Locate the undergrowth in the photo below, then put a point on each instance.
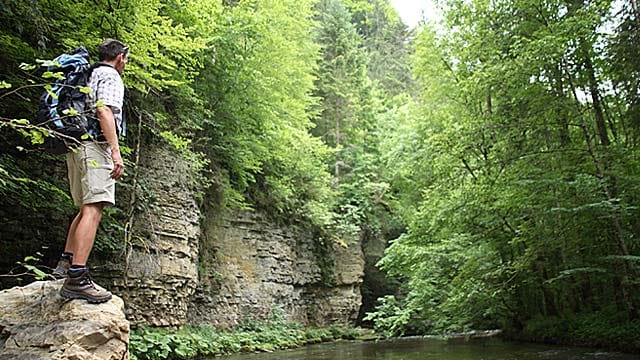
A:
(598, 329)
(191, 342)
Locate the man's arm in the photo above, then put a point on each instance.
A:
(108, 126)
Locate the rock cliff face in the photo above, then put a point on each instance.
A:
(177, 271)
(241, 267)
(159, 273)
(36, 323)
(258, 267)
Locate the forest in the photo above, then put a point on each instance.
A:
(496, 152)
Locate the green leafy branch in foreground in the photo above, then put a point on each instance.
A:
(187, 343)
(29, 267)
(37, 133)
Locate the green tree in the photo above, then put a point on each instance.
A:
(388, 44)
(341, 76)
(523, 187)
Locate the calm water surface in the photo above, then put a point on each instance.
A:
(427, 349)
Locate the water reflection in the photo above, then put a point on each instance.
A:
(427, 349)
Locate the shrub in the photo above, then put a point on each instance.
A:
(155, 344)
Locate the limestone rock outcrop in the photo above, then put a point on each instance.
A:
(36, 323)
(159, 272)
(259, 267)
(228, 268)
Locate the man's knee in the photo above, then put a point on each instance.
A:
(92, 210)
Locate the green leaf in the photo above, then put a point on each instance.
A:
(54, 75)
(85, 89)
(94, 163)
(70, 112)
(40, 275)
(37, 136)
(48, 63)
(27, 67)
(48, 89)
(21, 121)
(4, 85)
(176, 141)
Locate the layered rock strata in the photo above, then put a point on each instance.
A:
(239, 267)
(159, 273)
(259, 268)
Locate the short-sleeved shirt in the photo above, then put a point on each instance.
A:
(106, 86)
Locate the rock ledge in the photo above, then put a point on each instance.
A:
(36, 323)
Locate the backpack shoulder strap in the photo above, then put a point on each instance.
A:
(99, 64)
(95, 66)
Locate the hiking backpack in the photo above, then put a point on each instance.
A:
(62, 108)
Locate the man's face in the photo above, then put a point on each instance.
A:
(122, 61)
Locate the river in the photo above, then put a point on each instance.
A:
(429, 349)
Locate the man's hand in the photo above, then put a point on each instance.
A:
(118, 164)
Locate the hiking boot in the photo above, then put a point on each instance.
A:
(60, 272)
(79, 285)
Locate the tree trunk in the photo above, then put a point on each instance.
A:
(337, 164)
(595, 98)
(565, 138)
(626, 268)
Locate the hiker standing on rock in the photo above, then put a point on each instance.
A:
(93, 168)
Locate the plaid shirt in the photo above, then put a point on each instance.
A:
(106, 86)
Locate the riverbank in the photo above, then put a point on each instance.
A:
(192, 342)
(589, 330)
(593, 330)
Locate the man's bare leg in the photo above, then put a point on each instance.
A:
(69, 245)
(82, 235)
(62, 267)
(78, 284)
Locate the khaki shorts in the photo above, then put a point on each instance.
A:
(89, 168)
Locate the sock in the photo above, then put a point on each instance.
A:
(67, 255)
(77, 270)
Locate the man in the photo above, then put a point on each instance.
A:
(93, 170)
